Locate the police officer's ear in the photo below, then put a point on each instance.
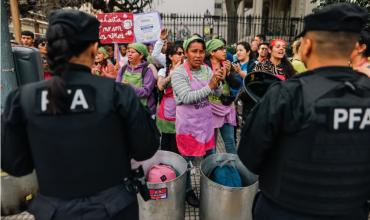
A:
(94, 50)
(305, 49)
(360, 48)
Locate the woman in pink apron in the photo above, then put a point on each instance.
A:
(223, 108)
(192, 83)
(166, 113)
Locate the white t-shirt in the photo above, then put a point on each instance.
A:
(162, 72)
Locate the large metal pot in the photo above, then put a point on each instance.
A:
(172, 204)
(16, 192)
(223, 202)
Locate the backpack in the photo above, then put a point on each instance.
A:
(161, 173)
(226, 174)
(155, 91)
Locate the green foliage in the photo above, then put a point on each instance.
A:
(361, 3)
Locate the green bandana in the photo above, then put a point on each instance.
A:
(104, 52)
(213, 45)
(188, 41)
(139, 47)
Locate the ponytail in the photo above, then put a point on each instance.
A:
(61, 47)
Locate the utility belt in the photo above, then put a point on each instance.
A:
(100, 206)
(136, 183)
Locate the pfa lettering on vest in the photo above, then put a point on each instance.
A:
(81, 99)
(350, 119)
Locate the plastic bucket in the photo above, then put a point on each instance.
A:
(169, 196)
(223, 202)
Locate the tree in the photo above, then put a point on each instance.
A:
(134, 6)
(231, 11)
(45, 6)
(361, 3)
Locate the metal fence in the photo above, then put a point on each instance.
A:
(233, 29)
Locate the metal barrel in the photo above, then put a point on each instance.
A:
(16, 192)
(223, 202)
(170, 204)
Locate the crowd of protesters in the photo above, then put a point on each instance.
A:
(191, 86)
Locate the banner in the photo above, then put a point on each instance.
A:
(147, 27)
(116, 28)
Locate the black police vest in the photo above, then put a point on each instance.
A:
(91, 136)
(324, 168)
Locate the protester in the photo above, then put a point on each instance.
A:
(277, 64)
(260, 38)
(78, 131)
(109, 48)
(167, 107)
(245, 64)
(360, 56)
(102, 65)
(254, 49)
(297, 64)
(223, 108)
(139, 76)
(192, 84)
(308, 137)
(41, 44)
(27, 38)
(122, 56)
(263, 53)
(159, 50)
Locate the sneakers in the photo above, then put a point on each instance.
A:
(192, 199)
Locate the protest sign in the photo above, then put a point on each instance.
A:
(116, 28)
(147, 27)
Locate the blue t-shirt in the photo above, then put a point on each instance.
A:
(243, 67)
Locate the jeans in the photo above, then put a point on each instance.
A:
(189, 159)
(228, 136)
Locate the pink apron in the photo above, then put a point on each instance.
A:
(194, 130)
(222, 114)
(167, 107)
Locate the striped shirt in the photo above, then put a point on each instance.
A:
(184, 94)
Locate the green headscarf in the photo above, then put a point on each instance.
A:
(104, 52)
(139, 47)
(187, 42)
(213, 44)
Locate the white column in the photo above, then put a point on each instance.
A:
(257, 7)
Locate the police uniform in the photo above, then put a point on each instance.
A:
(308, 140)
(82, 156)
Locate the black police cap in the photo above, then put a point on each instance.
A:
(340, 17)
(85, 25)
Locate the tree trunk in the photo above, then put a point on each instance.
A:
(232, 18)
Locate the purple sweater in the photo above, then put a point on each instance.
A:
(146, 90)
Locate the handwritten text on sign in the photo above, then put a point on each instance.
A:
(116, 28)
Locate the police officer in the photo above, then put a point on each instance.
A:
(308, 138)
(78, 131)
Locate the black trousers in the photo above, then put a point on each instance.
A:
(168, 142)
(265, 209)
(130, 212)
(115, 203)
